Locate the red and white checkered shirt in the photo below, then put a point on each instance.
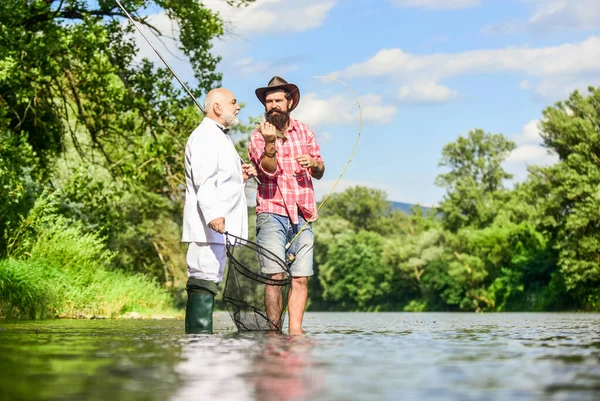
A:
(290, 187)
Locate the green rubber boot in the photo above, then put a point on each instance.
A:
(199, 313)
(200, 306)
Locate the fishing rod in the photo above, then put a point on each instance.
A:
(287, 246)
(183, 85)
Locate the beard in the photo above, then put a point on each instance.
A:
(231, 119)
(278, 118)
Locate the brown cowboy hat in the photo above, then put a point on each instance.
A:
(279, 83)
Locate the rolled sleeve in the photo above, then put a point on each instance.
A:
(313, 148)
(256, 151)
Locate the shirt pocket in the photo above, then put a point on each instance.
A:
(303, 179)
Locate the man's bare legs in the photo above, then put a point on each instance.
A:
(273, 303)
(297, 303)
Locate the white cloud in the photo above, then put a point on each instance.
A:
(374, 111)
(529, 151)
(568, 61)
(339, 109)
(552, 15)
(525, 84)
(545, 61)
(530, 134)
(436, 4)
(249, 66)
(528, 154)
(559, 86)
(265, 15)
(425, 92)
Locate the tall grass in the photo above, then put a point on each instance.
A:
(57, 271)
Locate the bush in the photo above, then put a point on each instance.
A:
(57, 271)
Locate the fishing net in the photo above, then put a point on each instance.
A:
(255, 301)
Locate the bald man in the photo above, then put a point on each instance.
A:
(214, 203)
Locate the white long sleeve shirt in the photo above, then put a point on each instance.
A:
(214, 186)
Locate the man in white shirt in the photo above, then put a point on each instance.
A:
(214, 203)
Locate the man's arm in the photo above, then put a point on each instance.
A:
(256, 151)
(269, 159)
(268, 162)
(312, 161)
(318, 170)
(314, 166)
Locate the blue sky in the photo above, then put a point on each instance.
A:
(425, 72)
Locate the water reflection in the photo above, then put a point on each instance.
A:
(247, 366)
(284, 370)
(214, 367)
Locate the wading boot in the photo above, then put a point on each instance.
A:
(200, 306)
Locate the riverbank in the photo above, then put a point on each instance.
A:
(39, 289)
(55, 270)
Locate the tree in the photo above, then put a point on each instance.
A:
(474, 183)
(354, 276)
(70, 86)
(569, 192)
(361, 206)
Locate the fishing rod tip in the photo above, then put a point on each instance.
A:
(329, 77)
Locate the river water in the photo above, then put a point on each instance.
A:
(343, 356)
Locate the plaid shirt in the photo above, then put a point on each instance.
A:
(290, 187)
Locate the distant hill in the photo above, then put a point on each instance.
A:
(405, 207)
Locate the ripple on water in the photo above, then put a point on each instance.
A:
(343, 356)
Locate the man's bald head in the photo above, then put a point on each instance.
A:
(221, 105)
(215, 96)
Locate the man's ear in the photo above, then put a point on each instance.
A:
(290, 103)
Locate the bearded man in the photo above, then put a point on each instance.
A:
(214, 203)
(287, 157)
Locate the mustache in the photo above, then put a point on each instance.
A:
(273, 111)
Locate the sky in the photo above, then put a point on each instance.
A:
(425, 72)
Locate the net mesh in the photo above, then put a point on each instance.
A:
(255, 301)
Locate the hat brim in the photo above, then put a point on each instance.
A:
(261, 93)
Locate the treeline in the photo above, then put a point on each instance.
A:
(535, 247)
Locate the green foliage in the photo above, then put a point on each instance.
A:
(354, 276)
(569, 192)
(106, 131)
(17, 181)
(360, 206)
(415, 259)
(56, 270)
(474, 182)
